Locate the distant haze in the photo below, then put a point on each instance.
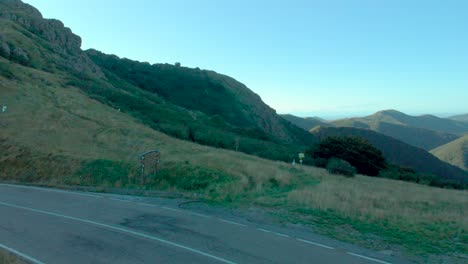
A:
(327, 58)
(339, 115)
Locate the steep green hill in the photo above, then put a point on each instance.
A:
(416, 131)
(305, 123)
(398, 152)
(455, 152)
(196, 105)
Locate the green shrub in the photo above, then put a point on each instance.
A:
(105, 173)
(359, 152)
(185, 176)
(342, 167)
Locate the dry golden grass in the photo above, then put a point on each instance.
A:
(364, 197)
(8, 258)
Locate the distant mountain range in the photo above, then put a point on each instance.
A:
(460, 118)
(455, 152)
(420, 131)
(306, 123)
(429, 122)
(398, 152)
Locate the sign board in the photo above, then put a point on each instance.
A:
(149, 162)
(301, 156)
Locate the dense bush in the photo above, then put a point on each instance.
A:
(20, 56)
(342, 167)
(357, 151)
(4, 49)
(410, 175)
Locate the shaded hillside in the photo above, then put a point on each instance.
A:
(305, 123)
(404, 128)
(191, 104)
(459, 118)
(398, 152)
(418, 137)
(455, 152)
(205, 91)
(394, 117)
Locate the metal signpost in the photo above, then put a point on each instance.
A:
(301, 157)
(149, 163)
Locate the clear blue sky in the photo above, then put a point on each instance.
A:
(327, 58)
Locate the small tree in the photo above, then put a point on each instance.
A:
(341, 167)
(357, 151)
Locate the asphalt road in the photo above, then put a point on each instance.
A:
(55, 226)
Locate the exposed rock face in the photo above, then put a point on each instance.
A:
(4, 47)
(59, 38)
(20, 56)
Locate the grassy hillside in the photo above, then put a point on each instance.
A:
(398, 152)
(427, 132)
(305, 123)
(213, 94)
(191, 104)
(455, 153)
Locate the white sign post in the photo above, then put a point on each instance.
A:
(4, 108)
(301, 157)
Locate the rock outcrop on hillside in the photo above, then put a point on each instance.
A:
(57, 37)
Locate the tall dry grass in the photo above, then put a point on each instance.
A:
(8, 258)
(363, 197)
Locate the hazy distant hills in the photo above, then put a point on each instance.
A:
(424, 131)
(306, 123)
(455, 152)
(385, 122)
(398, 118)
(460, 118)
(398, 152)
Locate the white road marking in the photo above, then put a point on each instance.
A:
(121, 200)
(201, 215)
(24, 256)
(171, 209)
(124, 230)
(372, 259)
(268, 231)
(314, 243)
(50, 190)
(279, 234)
(234, 223)
(264, 230)
(147, 204)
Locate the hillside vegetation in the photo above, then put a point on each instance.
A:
(455, 153)
(70, 122)
(197, 105)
